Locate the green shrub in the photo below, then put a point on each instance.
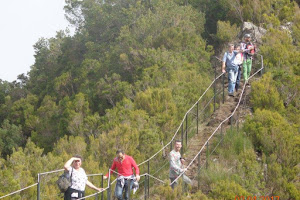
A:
(264, 95)
(227, 190)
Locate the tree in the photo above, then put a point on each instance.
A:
(11, 137)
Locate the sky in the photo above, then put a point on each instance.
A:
(22, 23)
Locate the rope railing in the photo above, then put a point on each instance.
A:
(172, 139)
(50, 172)
(219, 126)
(108, 187)
(180, 127)
(19, 191)
(182, 122)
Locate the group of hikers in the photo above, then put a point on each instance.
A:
(238, 58)
(124, 164)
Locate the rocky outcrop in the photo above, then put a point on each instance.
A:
(287, 27)
(256, 32)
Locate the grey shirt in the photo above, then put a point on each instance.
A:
(175, 164)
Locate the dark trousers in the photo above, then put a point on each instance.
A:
(69, 192)
(238, 78)
(174, 184)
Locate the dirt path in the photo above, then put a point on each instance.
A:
(196, 143)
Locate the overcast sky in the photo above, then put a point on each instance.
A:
(22, 23)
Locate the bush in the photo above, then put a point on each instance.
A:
(264, 95)
(227, 190)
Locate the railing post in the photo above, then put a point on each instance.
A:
(145, 186)
(237, 121)
(231, 123)
(215, 89)
(148, 189)
(197, 117)
(207, 155)
(181, 150)
(199, 168)
(223, 80)
(102, 186)
(109, 187)
(171, 146)
(183, 186)
(222, 135)
(38, 187)
(186, 130)
(262, 65)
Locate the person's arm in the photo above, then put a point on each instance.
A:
(137, 170)
(69, 163)
(243, 47)
(242, 57)
(182, 160)
(223, 67)
(91, 185)
(173, 165)
(113, 167)
(223, 63)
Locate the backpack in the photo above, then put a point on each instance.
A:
(64, 181)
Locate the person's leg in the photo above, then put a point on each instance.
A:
(249, 66)
(67, 194)
(174, 184)
(119, 190)
(245, 70)
(231, 81)
(127, 188)
(238, 79)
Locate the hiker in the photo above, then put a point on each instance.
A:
(124, 164)
(248, 50)
(176, 165)
(239, 62)
(78, 179)
(231, 68)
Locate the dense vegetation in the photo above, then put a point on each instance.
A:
(127, 75)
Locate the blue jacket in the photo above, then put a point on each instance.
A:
(228, 58)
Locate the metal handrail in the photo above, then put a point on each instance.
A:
(221, 122)
(164, 147)
(181, 122)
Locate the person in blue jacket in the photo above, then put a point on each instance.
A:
(231, 68)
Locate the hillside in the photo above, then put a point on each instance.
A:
(125, 80)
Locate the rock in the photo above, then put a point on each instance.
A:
(256, 32)
(287, 27)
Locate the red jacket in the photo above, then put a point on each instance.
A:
(125, 167)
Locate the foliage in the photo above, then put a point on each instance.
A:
(124, 80)
(275, 138)
(225, 32)
(10, 138)
(227, 190)
(279, 51)
(265, 95)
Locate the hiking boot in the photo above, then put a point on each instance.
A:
(231, 94)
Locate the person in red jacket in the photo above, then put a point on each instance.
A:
(124, 164)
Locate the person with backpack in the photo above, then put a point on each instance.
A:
(248, 50)
(78, 179)
(239, 62)
(124, 163)
(231, 68)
